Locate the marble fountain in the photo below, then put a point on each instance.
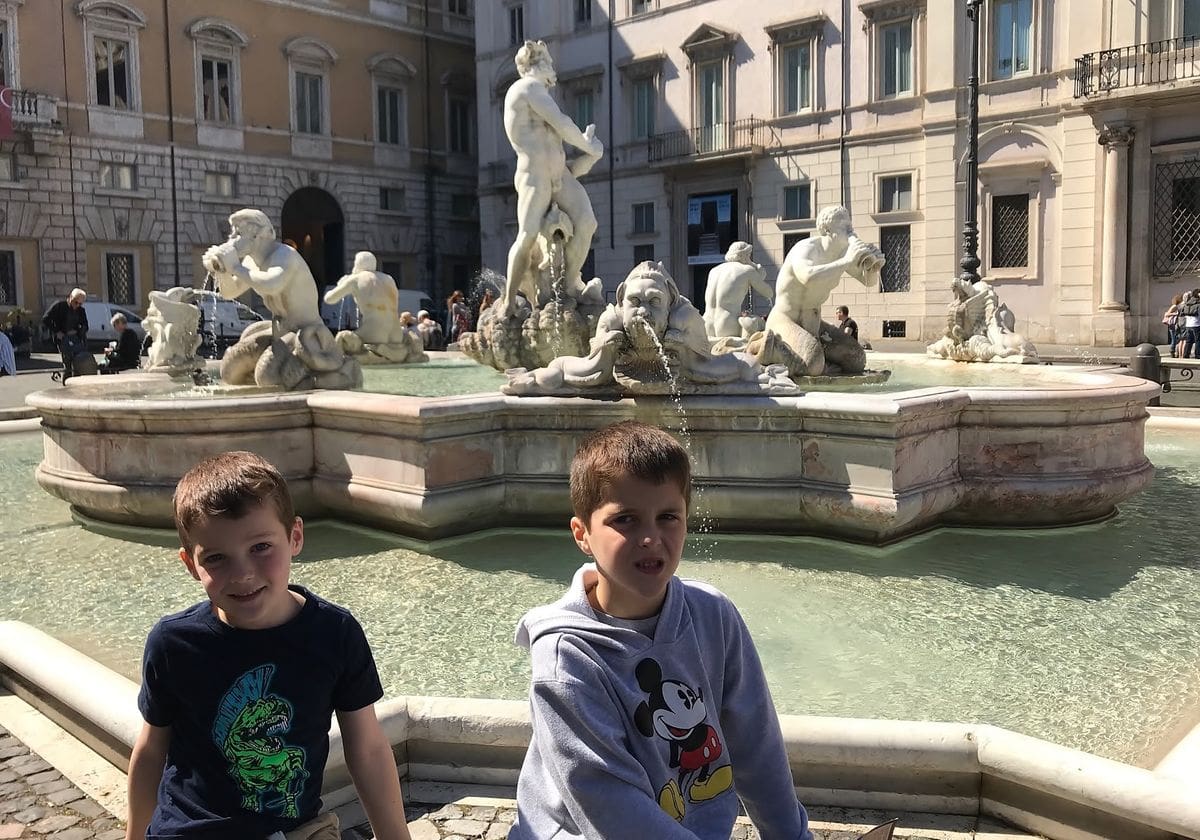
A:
(779, 446)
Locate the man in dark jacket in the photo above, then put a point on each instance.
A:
(67, 322)
(126, 355)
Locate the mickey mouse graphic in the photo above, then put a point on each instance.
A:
(676, 713)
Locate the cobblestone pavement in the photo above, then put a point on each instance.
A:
(37, 802)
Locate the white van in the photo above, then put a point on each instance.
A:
(224, 318)
(100, 328)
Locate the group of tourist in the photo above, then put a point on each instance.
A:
(650, 711)
(1182, 320)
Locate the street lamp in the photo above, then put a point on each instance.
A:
(970, 243)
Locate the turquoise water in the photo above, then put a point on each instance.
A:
(1089, 636)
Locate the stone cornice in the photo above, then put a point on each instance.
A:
(642, 67)
(798, 29)
(709, 42)
(880, 10)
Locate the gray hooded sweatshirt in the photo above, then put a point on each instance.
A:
(639, 738)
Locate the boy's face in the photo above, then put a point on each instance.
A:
(244, 564)
(636, 538)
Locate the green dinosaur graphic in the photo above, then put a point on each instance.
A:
(247, 729)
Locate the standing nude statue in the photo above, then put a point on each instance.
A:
(537, 130)
(728, 284)
(795, 335)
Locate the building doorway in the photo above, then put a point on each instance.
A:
(712, 228)
(312, 223)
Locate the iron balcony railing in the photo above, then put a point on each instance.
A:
(1155, 63)
(720, 138)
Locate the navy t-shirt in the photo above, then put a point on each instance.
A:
(249, 712)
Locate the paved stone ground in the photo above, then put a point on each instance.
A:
(37, 802)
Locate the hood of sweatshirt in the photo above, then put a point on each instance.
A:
(574, 615)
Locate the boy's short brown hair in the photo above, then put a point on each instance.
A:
(229, 484)
(628, 448)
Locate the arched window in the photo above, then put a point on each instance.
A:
(217, 56)
(110, 35)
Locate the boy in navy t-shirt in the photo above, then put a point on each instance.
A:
(238, 691)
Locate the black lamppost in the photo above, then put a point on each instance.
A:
(970, 233)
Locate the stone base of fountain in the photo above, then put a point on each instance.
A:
(870, 468)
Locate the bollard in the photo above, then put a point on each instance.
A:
(1147, 364)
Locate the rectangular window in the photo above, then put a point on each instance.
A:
(118, 273)
(308, 103)
(392, 268)
(8, 278)
(118, 176)
(896, 58)
(460, 126)
(790, 240)
(215, 86)
(797, 202)
(389, 114)
(219, 184)
(585, 103)
(895, 193)
(391, 198)
(710, 103)
(643, 253)
(1010, 231)
(643, 217)
(643, 108)
(797, 78)
(1176, 219)
(112, 73)
(1190, 14)
(4, 49)
(640, 6)
(1185, 206)
(1012, 37)
(583, 13)
(516, 25)
(895, 242)
(463, 205)
(459, 7)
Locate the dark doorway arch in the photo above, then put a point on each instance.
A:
(312, 223)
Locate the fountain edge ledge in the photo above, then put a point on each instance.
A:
(894, 765)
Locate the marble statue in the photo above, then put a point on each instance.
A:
(294, 350)
(979, 328)
(173, 322)
(728, 285)
(795, 335)
(651, 341)
(545, 308)
(381, 337)
(537, 129)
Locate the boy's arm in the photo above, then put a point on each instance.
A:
(145, 772)
(373, 769)
(603, 787)
(761, 774)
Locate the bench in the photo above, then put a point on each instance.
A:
(1186, 367)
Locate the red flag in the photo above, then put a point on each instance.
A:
(6, 105)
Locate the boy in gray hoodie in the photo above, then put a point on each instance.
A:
(651, 714)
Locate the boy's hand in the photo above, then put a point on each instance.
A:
(146, 765)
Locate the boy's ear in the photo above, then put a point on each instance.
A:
(580, 533)
(297, 536)
(190, 562)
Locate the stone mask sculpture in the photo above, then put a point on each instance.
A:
(979, 328)
(381, 337)
(294, 350)
(651, 341)
(545, 308)
(173, 322)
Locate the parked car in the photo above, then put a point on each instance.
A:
(100, 328)
(224, 318)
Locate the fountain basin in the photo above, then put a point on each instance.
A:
(867, 467)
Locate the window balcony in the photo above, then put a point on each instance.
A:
(726, 139)
(33, 110)
(1160, 64)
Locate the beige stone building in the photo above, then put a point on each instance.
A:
(139, 125)
(730, 120)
